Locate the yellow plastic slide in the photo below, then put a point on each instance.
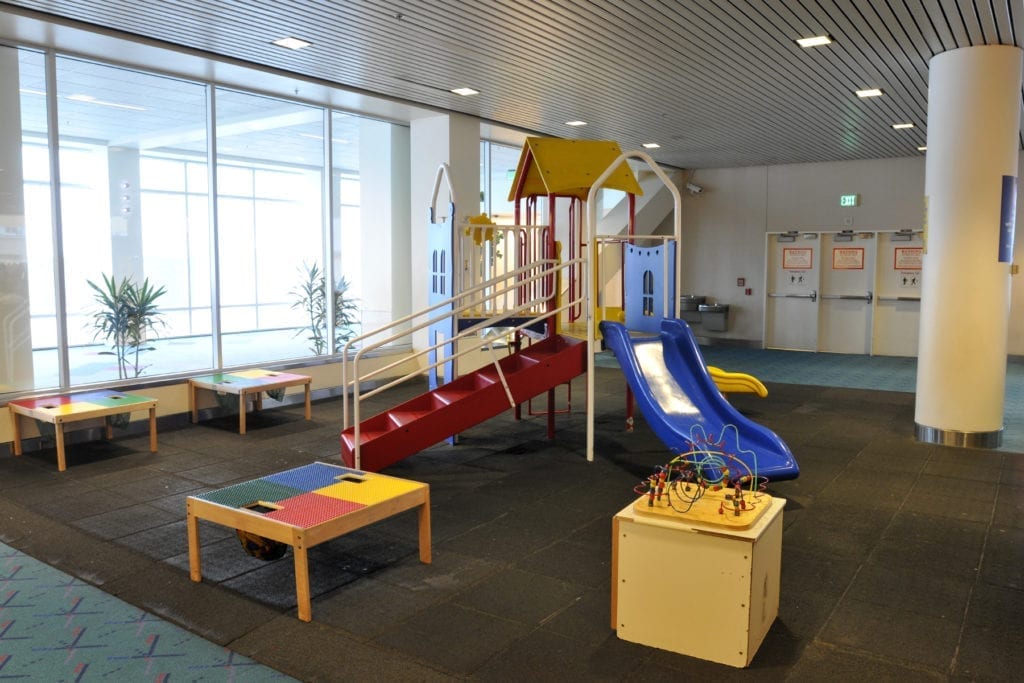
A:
(737, 382)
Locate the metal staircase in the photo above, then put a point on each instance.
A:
(459, 402)
(443, 412)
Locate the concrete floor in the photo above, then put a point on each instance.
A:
(900, 560)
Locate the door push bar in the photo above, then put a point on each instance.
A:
(899, 298)
(850, 297)
(813, 296)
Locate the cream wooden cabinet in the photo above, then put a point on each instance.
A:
(698, 589)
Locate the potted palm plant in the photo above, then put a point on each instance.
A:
(311, 298)
(126, 317)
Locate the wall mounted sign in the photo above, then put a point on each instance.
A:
(847, 258)
(909, 279)
(907, 258)
(797, 258)
(849, 200)
(1007, 218)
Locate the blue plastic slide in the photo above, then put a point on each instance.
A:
(685, 409)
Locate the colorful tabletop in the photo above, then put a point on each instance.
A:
(306, 506)
(247, 385)
(61, 409)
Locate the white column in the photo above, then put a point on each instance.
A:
(970, 192)
(16, 371)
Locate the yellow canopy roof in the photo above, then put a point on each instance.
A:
(569, 168)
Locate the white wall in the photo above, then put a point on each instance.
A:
(723, 239)
(724, 227)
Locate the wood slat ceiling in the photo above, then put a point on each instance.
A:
(715, 82)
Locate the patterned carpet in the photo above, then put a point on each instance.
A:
(884, 373)
(852, 371)
(54, 627)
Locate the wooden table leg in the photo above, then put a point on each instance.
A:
(15, 432)
(241, 411)
(58, 429)
(108, 428)
(309, 406)
(423, 512)
(195, 570)
(152, 429)
(302, 598)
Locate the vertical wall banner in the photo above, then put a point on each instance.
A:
(1007, 218)
(924, 226)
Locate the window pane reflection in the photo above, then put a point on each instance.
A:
(134, 206)
(126, 142)
(28, 330)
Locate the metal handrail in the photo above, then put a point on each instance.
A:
(850, 297)
(536, 271)
(813, 296)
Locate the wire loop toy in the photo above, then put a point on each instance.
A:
(706, 467)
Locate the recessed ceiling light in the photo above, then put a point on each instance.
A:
(651, 145)
(575, 123)
(869, 92)
(922, 149)
(814, 41)
(900, 126)
(103, 103)
(292, 43)
(465, 92)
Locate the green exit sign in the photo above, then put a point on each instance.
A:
(849, 200)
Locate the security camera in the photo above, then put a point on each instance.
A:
(693, 188)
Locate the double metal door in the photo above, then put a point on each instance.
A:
(845, 315)
(898, 304)
(821, 291)
(791, 307)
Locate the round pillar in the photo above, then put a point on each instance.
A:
(970, 195)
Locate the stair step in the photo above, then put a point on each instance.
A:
(485, 378)
(365, 436)
(465, 401)
(450, 396)
(400, 418)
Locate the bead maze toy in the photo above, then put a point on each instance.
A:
(706, 485)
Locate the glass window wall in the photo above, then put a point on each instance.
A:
(28, 331)
(135, 219)
(125, 137)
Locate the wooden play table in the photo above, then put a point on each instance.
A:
(304, 507)
(247, 385)
(59, 410)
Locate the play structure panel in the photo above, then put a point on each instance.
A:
(694, 588)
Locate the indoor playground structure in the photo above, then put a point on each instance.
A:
(530, 299)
